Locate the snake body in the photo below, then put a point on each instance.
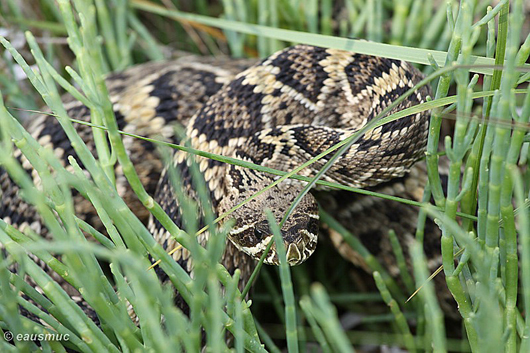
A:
(286, 110)
(279, 113)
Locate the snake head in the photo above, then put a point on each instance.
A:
(251, 233)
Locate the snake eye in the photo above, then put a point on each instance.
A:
(258, 233)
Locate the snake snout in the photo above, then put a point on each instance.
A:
(301, 239)
(298, 253)
(294, 255)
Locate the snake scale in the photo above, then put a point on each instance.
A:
(279, 113)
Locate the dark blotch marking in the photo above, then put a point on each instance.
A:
(363, 70)
(246, 103)
(293, 70)
(173, 95)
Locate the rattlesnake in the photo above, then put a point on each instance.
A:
(278, 113)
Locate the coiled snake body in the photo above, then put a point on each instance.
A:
(277, 113)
